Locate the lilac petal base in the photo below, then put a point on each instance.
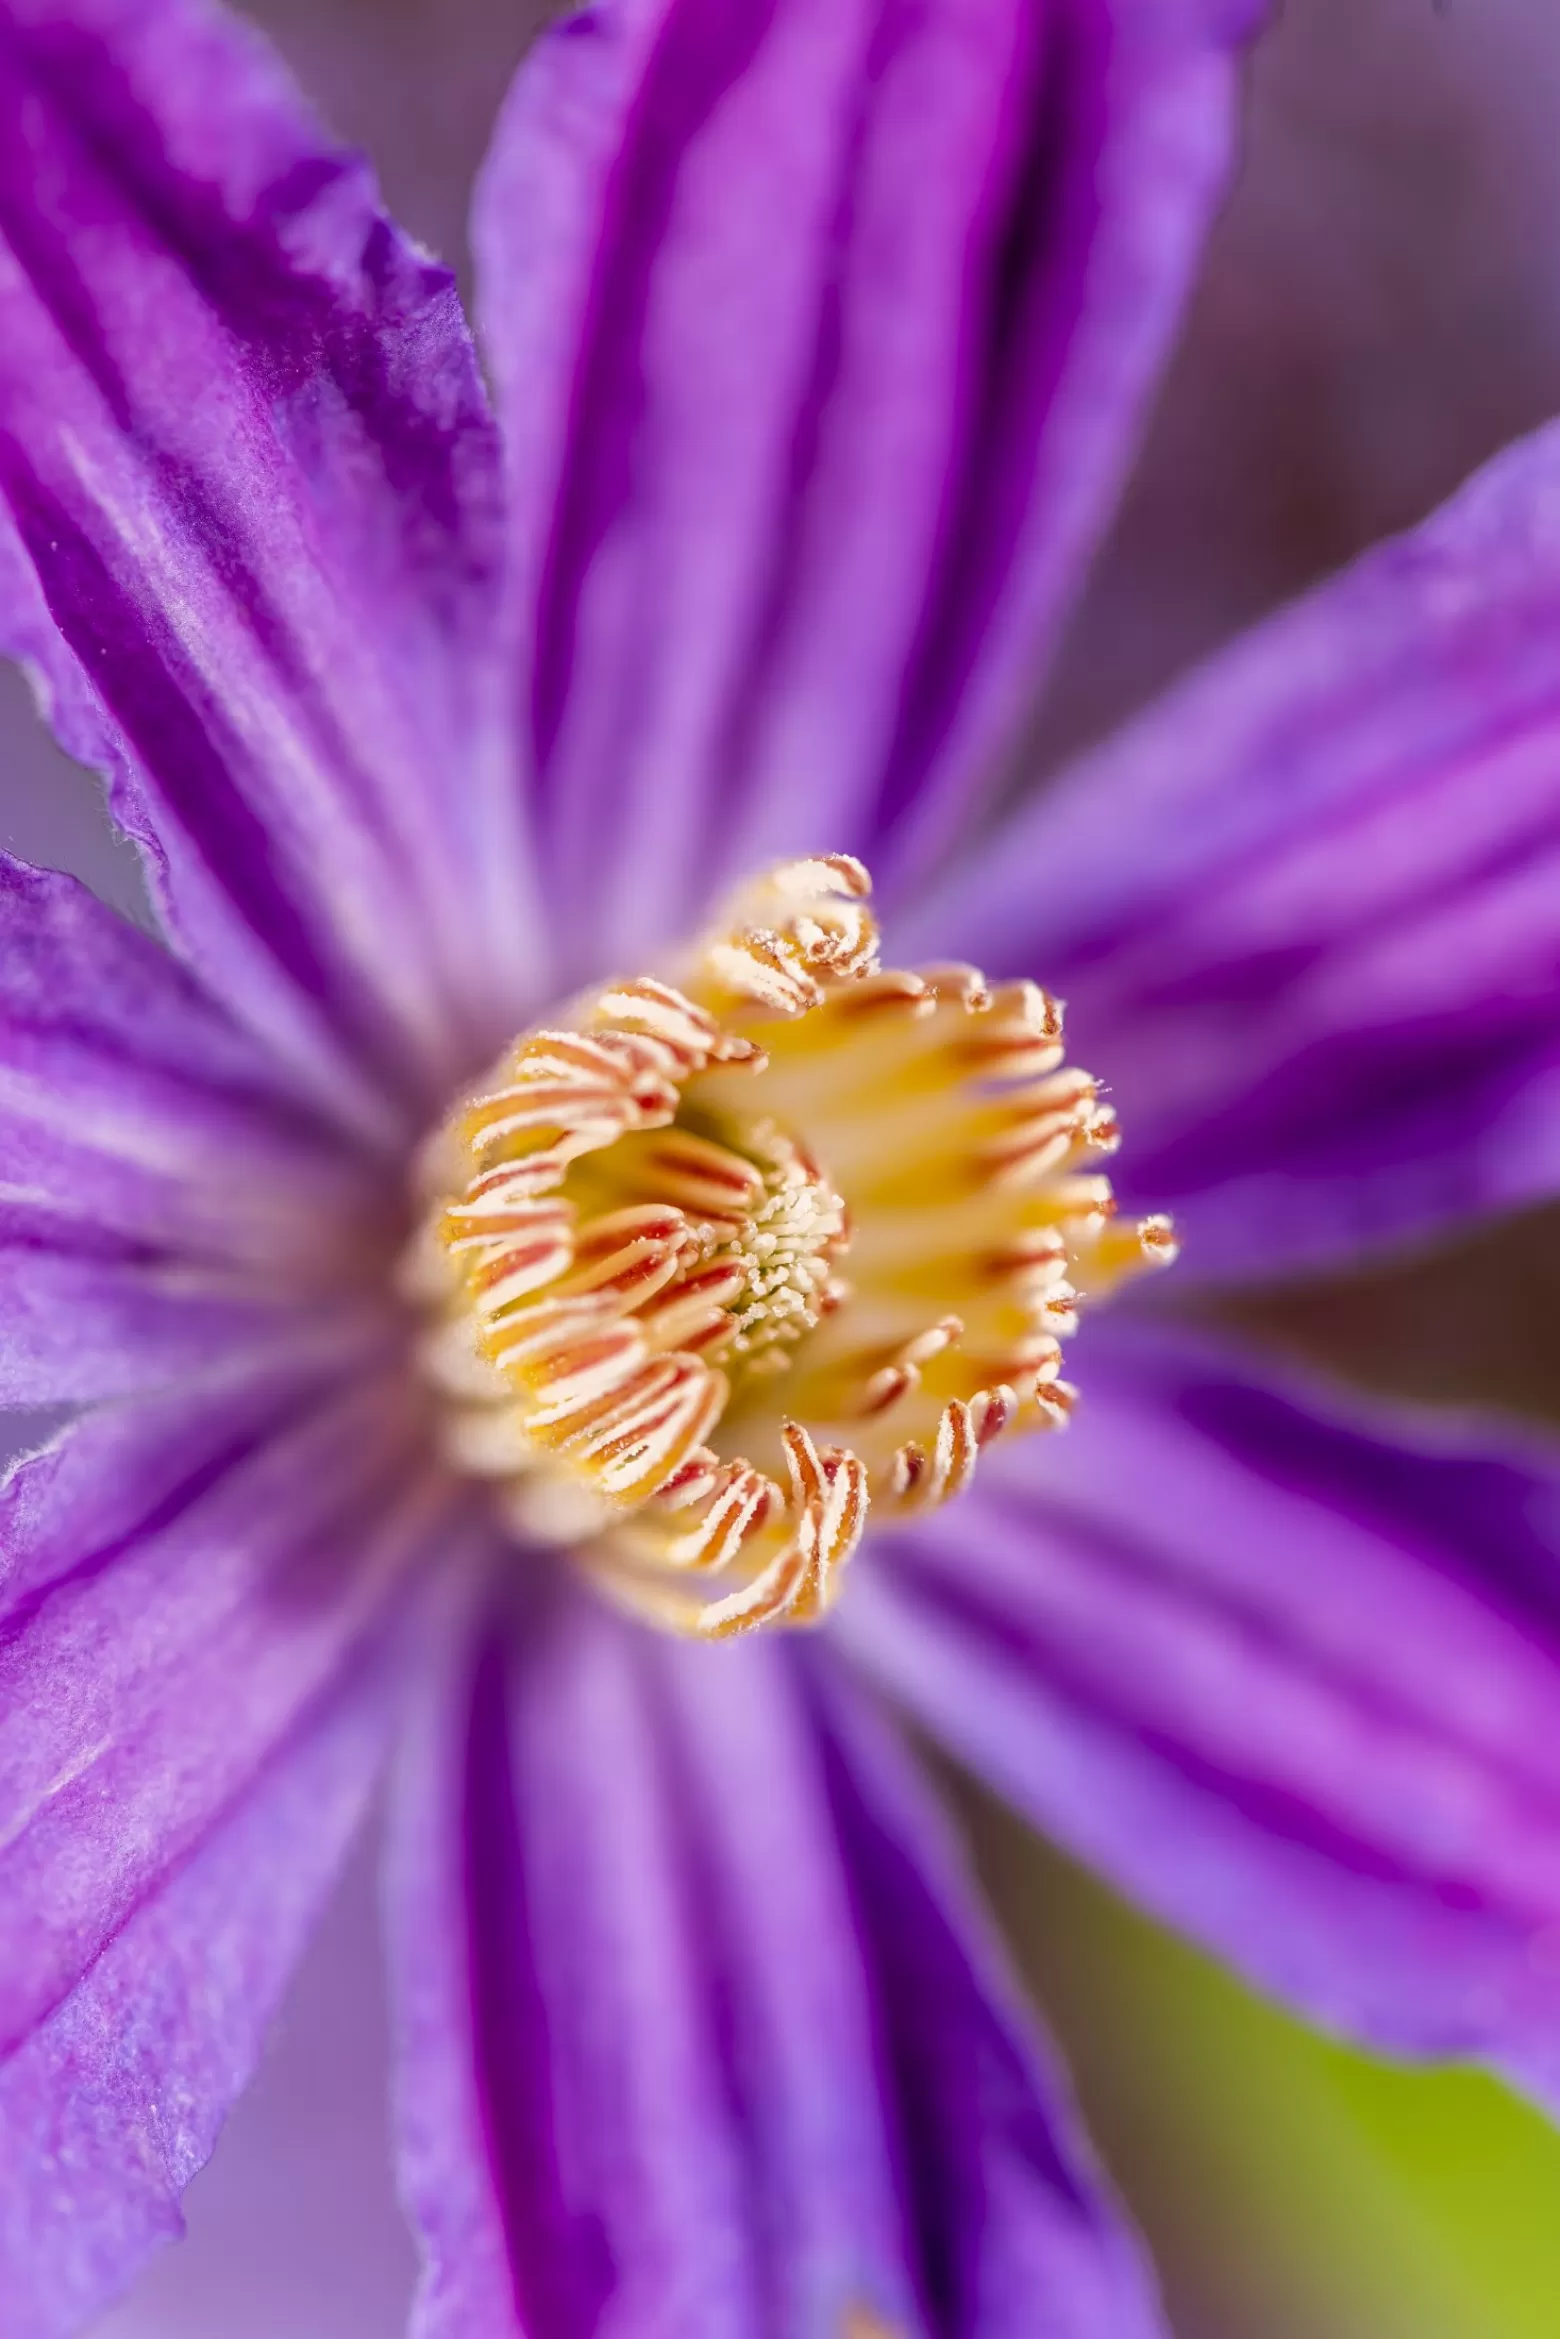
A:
(181, 1591)
(252, 555)
(83, 1323)
(164, 1208)
(1306, 913)
(1286, 1671)
(821, 332)
(110, 2106)
(131, 1103)
(662, 1922)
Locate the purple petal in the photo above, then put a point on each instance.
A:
(1287, 1671)
(114, 2102)
(698, 2033)
(248, 535)
(822, 332)
(1307, 912)
(81, 1321)
(162, 1209)
(1004, 2204)
(293, 2231)
(179, 1595)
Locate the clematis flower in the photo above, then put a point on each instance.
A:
(549, 1307)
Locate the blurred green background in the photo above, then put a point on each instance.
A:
(1289, 2188)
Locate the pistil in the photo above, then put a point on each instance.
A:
(736, 1256)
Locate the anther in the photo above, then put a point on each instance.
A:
(737, 1253)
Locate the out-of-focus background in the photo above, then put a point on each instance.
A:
(1380, 310)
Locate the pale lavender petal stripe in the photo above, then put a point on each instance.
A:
(149, 1665)
(564, 2135)
(73, 1503)
(1306, 913)
(112, 2105)
(661, 1919)
(251, 552)
(821, 332)
(166, 1207)
(82, 1321)
(132, 1105)
(1015, 2236)
(1284, 1667)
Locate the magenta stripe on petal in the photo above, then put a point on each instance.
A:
(666, 1930)
(148, 1669)
(112, 2104)
(83, 1321)
(1284, 1666)
(166, 1208)
(1306, 912)
(252, 551)
(132, 1105)
(1005, 2206)
(822, 330)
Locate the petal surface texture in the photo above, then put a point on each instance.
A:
(821, 332)
(1307, 911)
(111, 2105)
(1287, 1673)
(293, 2230)
(248, 535)
(182, 1585)
(667, 1924)
(164, 1206)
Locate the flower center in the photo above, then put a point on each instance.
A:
(723, 1263)
(757, 1223)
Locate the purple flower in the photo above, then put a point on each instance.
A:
(818, 334)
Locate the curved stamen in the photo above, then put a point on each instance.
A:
(725, 1263)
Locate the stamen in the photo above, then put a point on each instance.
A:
(726, 1262)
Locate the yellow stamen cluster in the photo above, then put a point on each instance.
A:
(724, 1263)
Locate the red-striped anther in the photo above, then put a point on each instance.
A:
(734, 1257)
